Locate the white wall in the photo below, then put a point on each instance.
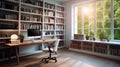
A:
(69, 19)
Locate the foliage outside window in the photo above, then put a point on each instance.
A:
(99, 18)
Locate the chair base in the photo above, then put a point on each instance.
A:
(46, 60)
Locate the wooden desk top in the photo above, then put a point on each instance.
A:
(29, 42)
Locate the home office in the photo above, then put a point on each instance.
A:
(48, 20)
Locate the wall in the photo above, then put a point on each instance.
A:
(68, 17)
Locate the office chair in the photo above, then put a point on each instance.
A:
(51, 49)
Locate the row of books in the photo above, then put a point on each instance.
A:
(25, 26)
(60, 21)
(74, 45)
(31, 10)
(31, 18)
(101, 45)
(49, 20)
(100, 50)
(50, 6)
(87, 47)
(60, 8)
(59, 32)
(61, 43)
(79, 36)
(49, 13)
(115, 52)
(49, 33)
(8, 25)
(60, 15)
(60, 37)
(6, 5)
(8, 16)
(49, 27)
(11, 16)
(37, 3)
(59, 27)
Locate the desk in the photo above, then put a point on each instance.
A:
(25, 43)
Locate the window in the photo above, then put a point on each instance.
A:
(99, 16)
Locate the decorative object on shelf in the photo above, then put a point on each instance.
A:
(93, 38)
(13, 38)
(79, 36)
(21, 37)
(87, 37)
(103, 36)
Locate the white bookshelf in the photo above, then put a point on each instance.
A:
(35, 13)
(99, 48)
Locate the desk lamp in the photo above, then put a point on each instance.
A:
(13, 38)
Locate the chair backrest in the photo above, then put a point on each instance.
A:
(56, 45)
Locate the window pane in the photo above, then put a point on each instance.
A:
(117, 34)
(79, 31)
(106, 33)
(116, 23)
(86, 32)
(99, 5)
(107, 4)
(117, 18)
(79, 17)
(116, 4)
(99, 15)
(98, 33)
(86, 22)
(107, 13)
(99, 24)
(91, 32)
(107, 23)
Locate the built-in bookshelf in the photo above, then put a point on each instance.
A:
(9, 11)
(16, 16)
(99, 48)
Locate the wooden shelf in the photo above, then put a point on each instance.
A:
(49, 16)
(31, 13)
(60, 11)
(8, 30)
(49, 30)
(23, 21)
(10, 10)
(49, 9)
(13, 1)
(9, 20)
(30, 5)
(4, 38)
(48, 23)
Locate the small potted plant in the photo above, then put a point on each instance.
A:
(87, 37)
(21, 37)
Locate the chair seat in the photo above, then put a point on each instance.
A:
(47, 49)
(52, 50)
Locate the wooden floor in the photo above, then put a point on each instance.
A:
(65, 58)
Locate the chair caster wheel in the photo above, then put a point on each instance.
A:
(55, 61)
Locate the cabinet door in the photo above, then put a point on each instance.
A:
(74, 44)
(100, 48)
(87, 46)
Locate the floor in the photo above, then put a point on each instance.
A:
(66, 58)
